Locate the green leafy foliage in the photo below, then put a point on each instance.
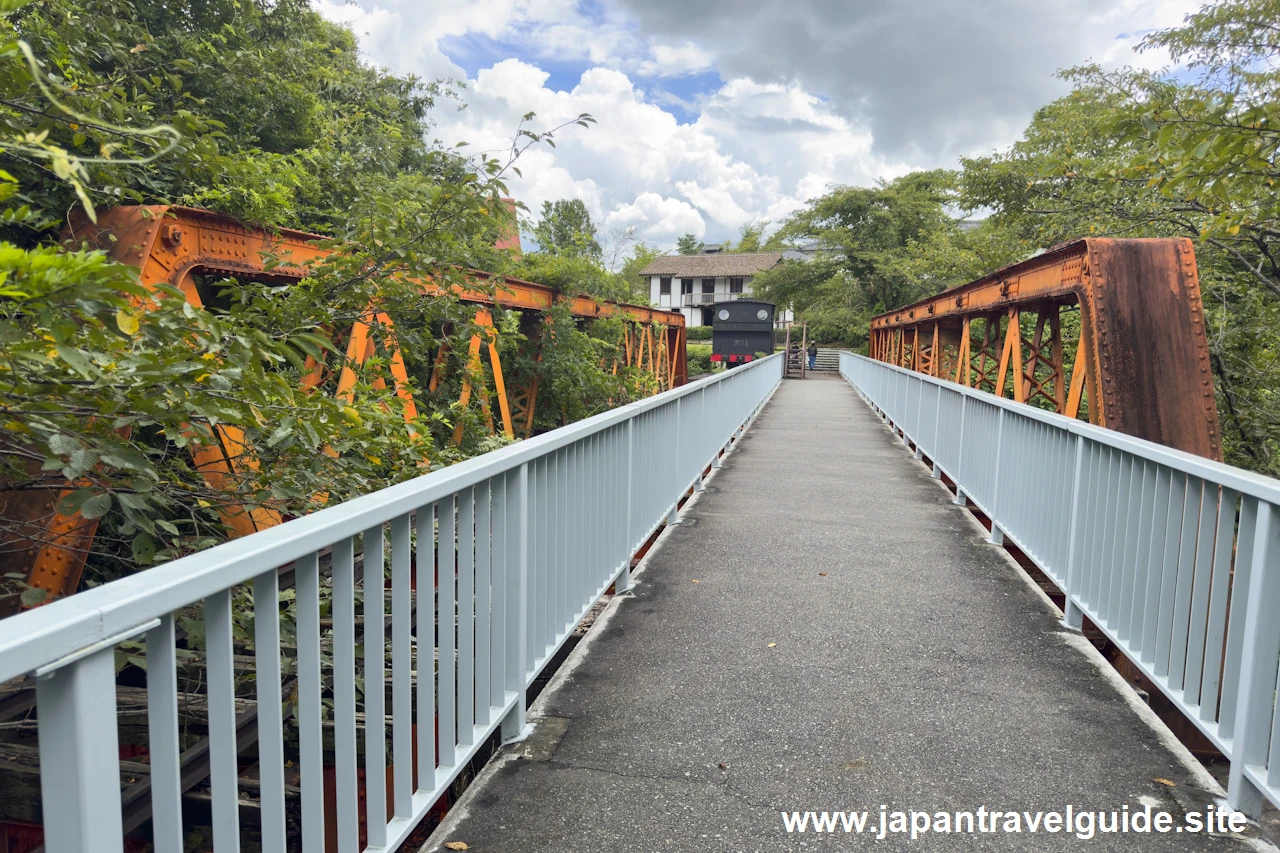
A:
(688, 244)
(279, 121)
(110, 385)
(565, 229)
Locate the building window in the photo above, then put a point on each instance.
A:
(686, 286)
(664, 285)
(735, 285)
(708, 285)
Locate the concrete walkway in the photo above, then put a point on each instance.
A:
(850, 642)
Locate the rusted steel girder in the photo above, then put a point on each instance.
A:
(1110, 330)
(172, 245)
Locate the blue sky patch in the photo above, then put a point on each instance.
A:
(474, 52)
(681, 96)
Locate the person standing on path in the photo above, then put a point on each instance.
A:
(813, 354)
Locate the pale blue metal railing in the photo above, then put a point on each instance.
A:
(537, 531)
(1175, 558)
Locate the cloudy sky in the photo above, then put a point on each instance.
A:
(714, 113)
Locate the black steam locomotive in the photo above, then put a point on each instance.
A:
(740, 329)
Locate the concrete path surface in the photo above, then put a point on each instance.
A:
(850, 643)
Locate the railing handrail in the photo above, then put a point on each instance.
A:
(1247, 482)
(711, 298)
(41, 637)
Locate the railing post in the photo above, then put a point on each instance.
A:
(936, 473)
(920, 384)
(517, 641)
(715, 460)
(997, 534)
(80, 756)
(960, 499)
(623, 583)
(1074, 617)
(1256, 703)
(702, 431)
(673, 517)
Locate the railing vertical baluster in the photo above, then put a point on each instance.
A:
(959, 473)
(546, 573)
(466, 617)
(595, 564)
(343, 611)
(997, 517)
(446, 640)
(375, 724)
(1181, 617)
(570, 565)
(310, 734)
(162, 742)
(628, 526)
(80, 756)
(1146, 641)
(551, 511)
(539, 565)
(1219, 597)
(429, 570)
(221, 696)
(266, 642)
(1169, 571)
(402, 666)
(676, 487)
(484, 653)
(1133, 593)
(1074, 617)
(939, 400)
(1208, 512)
(513, 723)
(504, 617)
(1237, 620)
(1111, 567)
(1259, 646)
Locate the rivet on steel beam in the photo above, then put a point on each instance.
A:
(171, 235)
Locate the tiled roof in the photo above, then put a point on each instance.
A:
(718, 265)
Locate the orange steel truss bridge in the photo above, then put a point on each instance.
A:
(174, 245)
(1111, 331)
(1064, 403)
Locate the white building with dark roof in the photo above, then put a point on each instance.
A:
(692, 283)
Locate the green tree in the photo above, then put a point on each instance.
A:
(688, 244)
(565, 228)
(280, 122)
(573, 275)
(750, 238)
(642, 254)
